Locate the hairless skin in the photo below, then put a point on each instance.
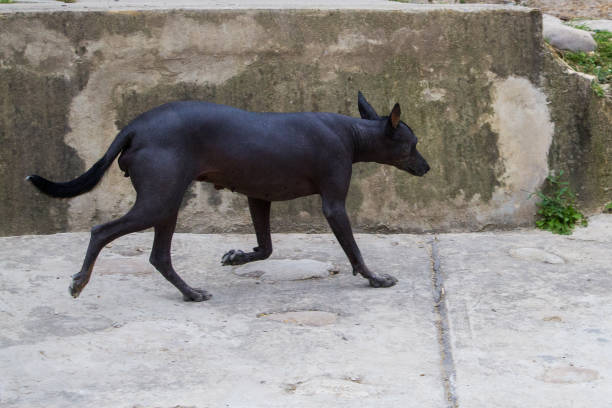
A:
(265, 156)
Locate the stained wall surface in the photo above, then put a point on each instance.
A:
(494, 111)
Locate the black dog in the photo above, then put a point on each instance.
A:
(265, 156)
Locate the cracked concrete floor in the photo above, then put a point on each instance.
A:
(505, 319)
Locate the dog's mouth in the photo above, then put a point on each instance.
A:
(419, 172)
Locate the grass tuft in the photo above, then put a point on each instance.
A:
(557, 212)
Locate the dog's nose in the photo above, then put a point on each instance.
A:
(426, 168)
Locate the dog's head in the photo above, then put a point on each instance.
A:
(398, 141)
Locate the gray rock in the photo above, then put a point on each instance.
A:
(564, 37)
(605, 25)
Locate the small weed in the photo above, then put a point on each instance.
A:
(6, 1)
(556, 211)
(599, 91)
(581, 27)
(608, 207)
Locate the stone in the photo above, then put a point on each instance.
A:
(564, 37)
(535, 254)
(286, 270)
(605, 25)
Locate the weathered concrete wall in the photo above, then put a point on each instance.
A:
(492, 108)
(582, 145)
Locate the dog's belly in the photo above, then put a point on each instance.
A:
(278, 192)
(269, 190)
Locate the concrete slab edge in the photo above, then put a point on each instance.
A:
(442, 324)
(157, 5)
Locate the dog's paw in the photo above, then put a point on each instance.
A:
(198, 295)
(73, 290)
(77, 285)
(382, 281)
(235, 257)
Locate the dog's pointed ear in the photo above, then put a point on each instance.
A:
(365, 110)
(394, 116)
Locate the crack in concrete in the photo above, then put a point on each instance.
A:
(442, 323)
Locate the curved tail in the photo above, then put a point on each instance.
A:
(88, 180)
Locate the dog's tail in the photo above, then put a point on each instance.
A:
(88, 180)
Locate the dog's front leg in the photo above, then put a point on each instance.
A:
(335, 213)
(260, 214)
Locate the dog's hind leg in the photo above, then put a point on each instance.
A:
(160, 184)
(260, 214)
(161, 259)
(135, 220)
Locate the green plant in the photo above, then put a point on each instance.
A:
(608, 207)
(599, 91)
(6, 1)
(556, 211)
(581, 26)
(597, 63)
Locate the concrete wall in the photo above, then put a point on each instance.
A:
(494, 111)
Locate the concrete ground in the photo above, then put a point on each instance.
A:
(496, 319)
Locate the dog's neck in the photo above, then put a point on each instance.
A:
(366, 137)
